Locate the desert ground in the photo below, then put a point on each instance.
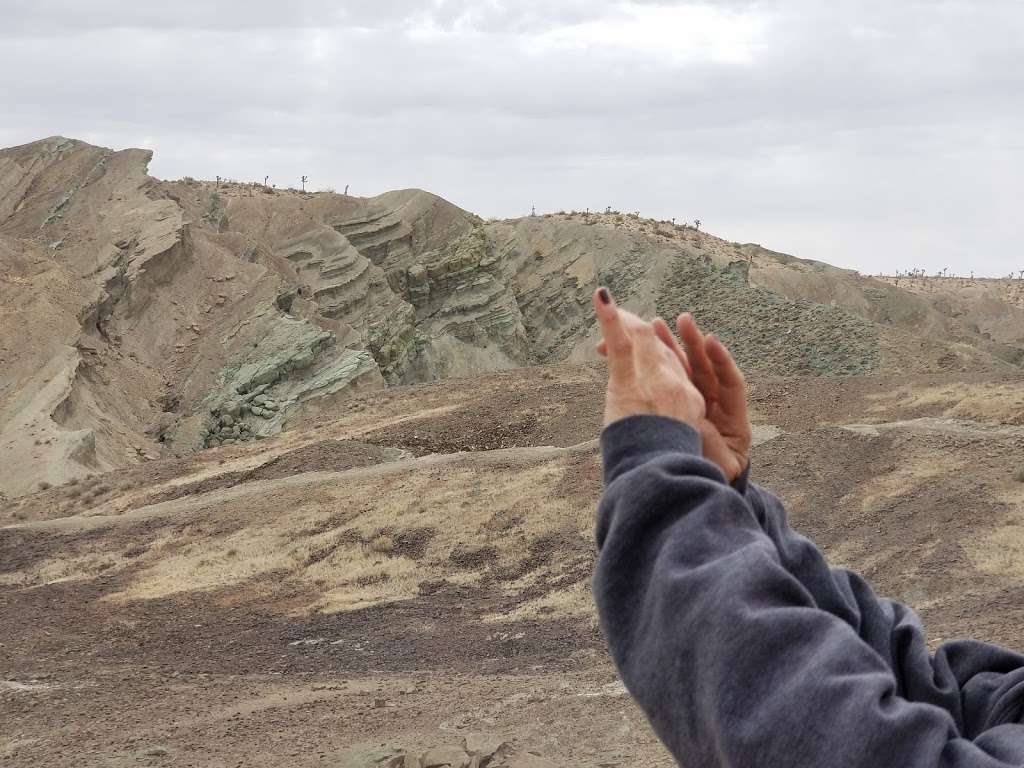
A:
(308, 480)
(418, 572)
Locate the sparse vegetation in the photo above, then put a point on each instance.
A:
(381, 544)
(369, 579)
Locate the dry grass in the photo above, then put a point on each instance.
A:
(1000, 552)
(992, 403)
(912, 472)
(358, 538)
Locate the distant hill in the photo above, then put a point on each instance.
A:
(145, 317)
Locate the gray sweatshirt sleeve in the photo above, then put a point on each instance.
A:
(745, 649)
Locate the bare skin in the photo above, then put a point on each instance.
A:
(705, 388)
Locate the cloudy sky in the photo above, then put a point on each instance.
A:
(867, 133)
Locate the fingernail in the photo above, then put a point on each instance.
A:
(605, 296)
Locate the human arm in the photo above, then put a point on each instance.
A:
(736, 638)
(737, 662)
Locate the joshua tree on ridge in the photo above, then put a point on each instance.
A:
(696, 224)
(304, 180)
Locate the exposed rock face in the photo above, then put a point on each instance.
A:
(421, 311)
(143, 317)
(133, 325)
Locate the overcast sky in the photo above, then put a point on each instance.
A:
(873, 134)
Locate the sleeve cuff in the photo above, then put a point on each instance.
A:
(742, 482)
(631, 441)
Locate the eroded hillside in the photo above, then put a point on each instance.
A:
(144, 318)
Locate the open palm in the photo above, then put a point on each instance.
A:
(725, 429)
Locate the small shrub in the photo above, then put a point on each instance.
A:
(381, 544)
(1019, 476)
(43, 486)
(369, 579)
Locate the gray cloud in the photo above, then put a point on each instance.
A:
(863, 133)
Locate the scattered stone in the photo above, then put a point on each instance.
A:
(484, 745)
(445, 757)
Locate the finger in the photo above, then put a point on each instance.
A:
(704, 375)
(662, 332)
(617, 339)
(602, 348)
(732, 386)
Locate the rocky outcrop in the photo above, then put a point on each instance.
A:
(347, 286)
(423, 305)
(144, 323)
(296, 364)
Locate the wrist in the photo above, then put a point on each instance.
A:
(634, 439)
(742, 479)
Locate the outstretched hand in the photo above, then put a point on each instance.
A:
(725, 424)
